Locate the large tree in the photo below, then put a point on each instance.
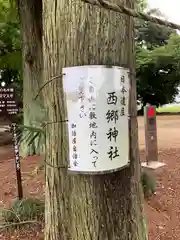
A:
(30, 13)
(87, 207)
(158, 72)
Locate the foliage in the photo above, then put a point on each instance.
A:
(150, 61)
(10, 44)
(157, 54)
(141, 5)
(34, 133)
(24, 210)
(148, 183)
(29, 134)
(152, 35)
(158, 72)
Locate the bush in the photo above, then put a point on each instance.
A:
(148, 183)
(24, 210)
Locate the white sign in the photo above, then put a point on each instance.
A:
(97, 100)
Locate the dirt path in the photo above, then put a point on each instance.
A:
(33, 186)
(168, 129)
(163, 210)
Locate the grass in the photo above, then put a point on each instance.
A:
(169, 109)
(148, 183)
(22, 218)
(24, 210)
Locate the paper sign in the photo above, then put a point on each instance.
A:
(97, 100)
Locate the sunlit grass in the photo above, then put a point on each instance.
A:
(169, 109)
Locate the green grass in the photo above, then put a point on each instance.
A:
(170, 109)
(24, 210)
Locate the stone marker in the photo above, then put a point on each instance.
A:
(151, 146)
(150, 133)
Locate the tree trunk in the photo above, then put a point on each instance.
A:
(30, 12)
(87, 207)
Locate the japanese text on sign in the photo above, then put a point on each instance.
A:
(8, 105)
(93, 123)
(99, 138)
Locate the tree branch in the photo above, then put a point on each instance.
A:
(17, 224)
(130, 12)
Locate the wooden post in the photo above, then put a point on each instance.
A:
(150, 134)
(9, 110)
(17, 162)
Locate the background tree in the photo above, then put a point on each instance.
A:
(158, 72)
(140, 5)
(23, 68)
(30, 13)
(10, 48)
(87, 207)
(151, 35)
(157, 76)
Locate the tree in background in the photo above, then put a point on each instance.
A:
(10, 47)
(158, 72)
(151, 35)
(10, 50)
(140, 5)
(23, 68)
(30, 13)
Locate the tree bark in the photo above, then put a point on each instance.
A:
(87, 207)
(30, 12)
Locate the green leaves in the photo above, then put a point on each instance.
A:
(8, 11)
(158, 72)
(157, 60)
(10, 41)
(150, 34)
(30, 134)
(24, 210)
(148, 183)
(141, 5)
(11, 60)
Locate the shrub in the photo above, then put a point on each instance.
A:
(24, 210)
(148, 183)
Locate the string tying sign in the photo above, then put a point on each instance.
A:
(97, 100)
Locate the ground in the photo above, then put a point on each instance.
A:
(162, 210)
